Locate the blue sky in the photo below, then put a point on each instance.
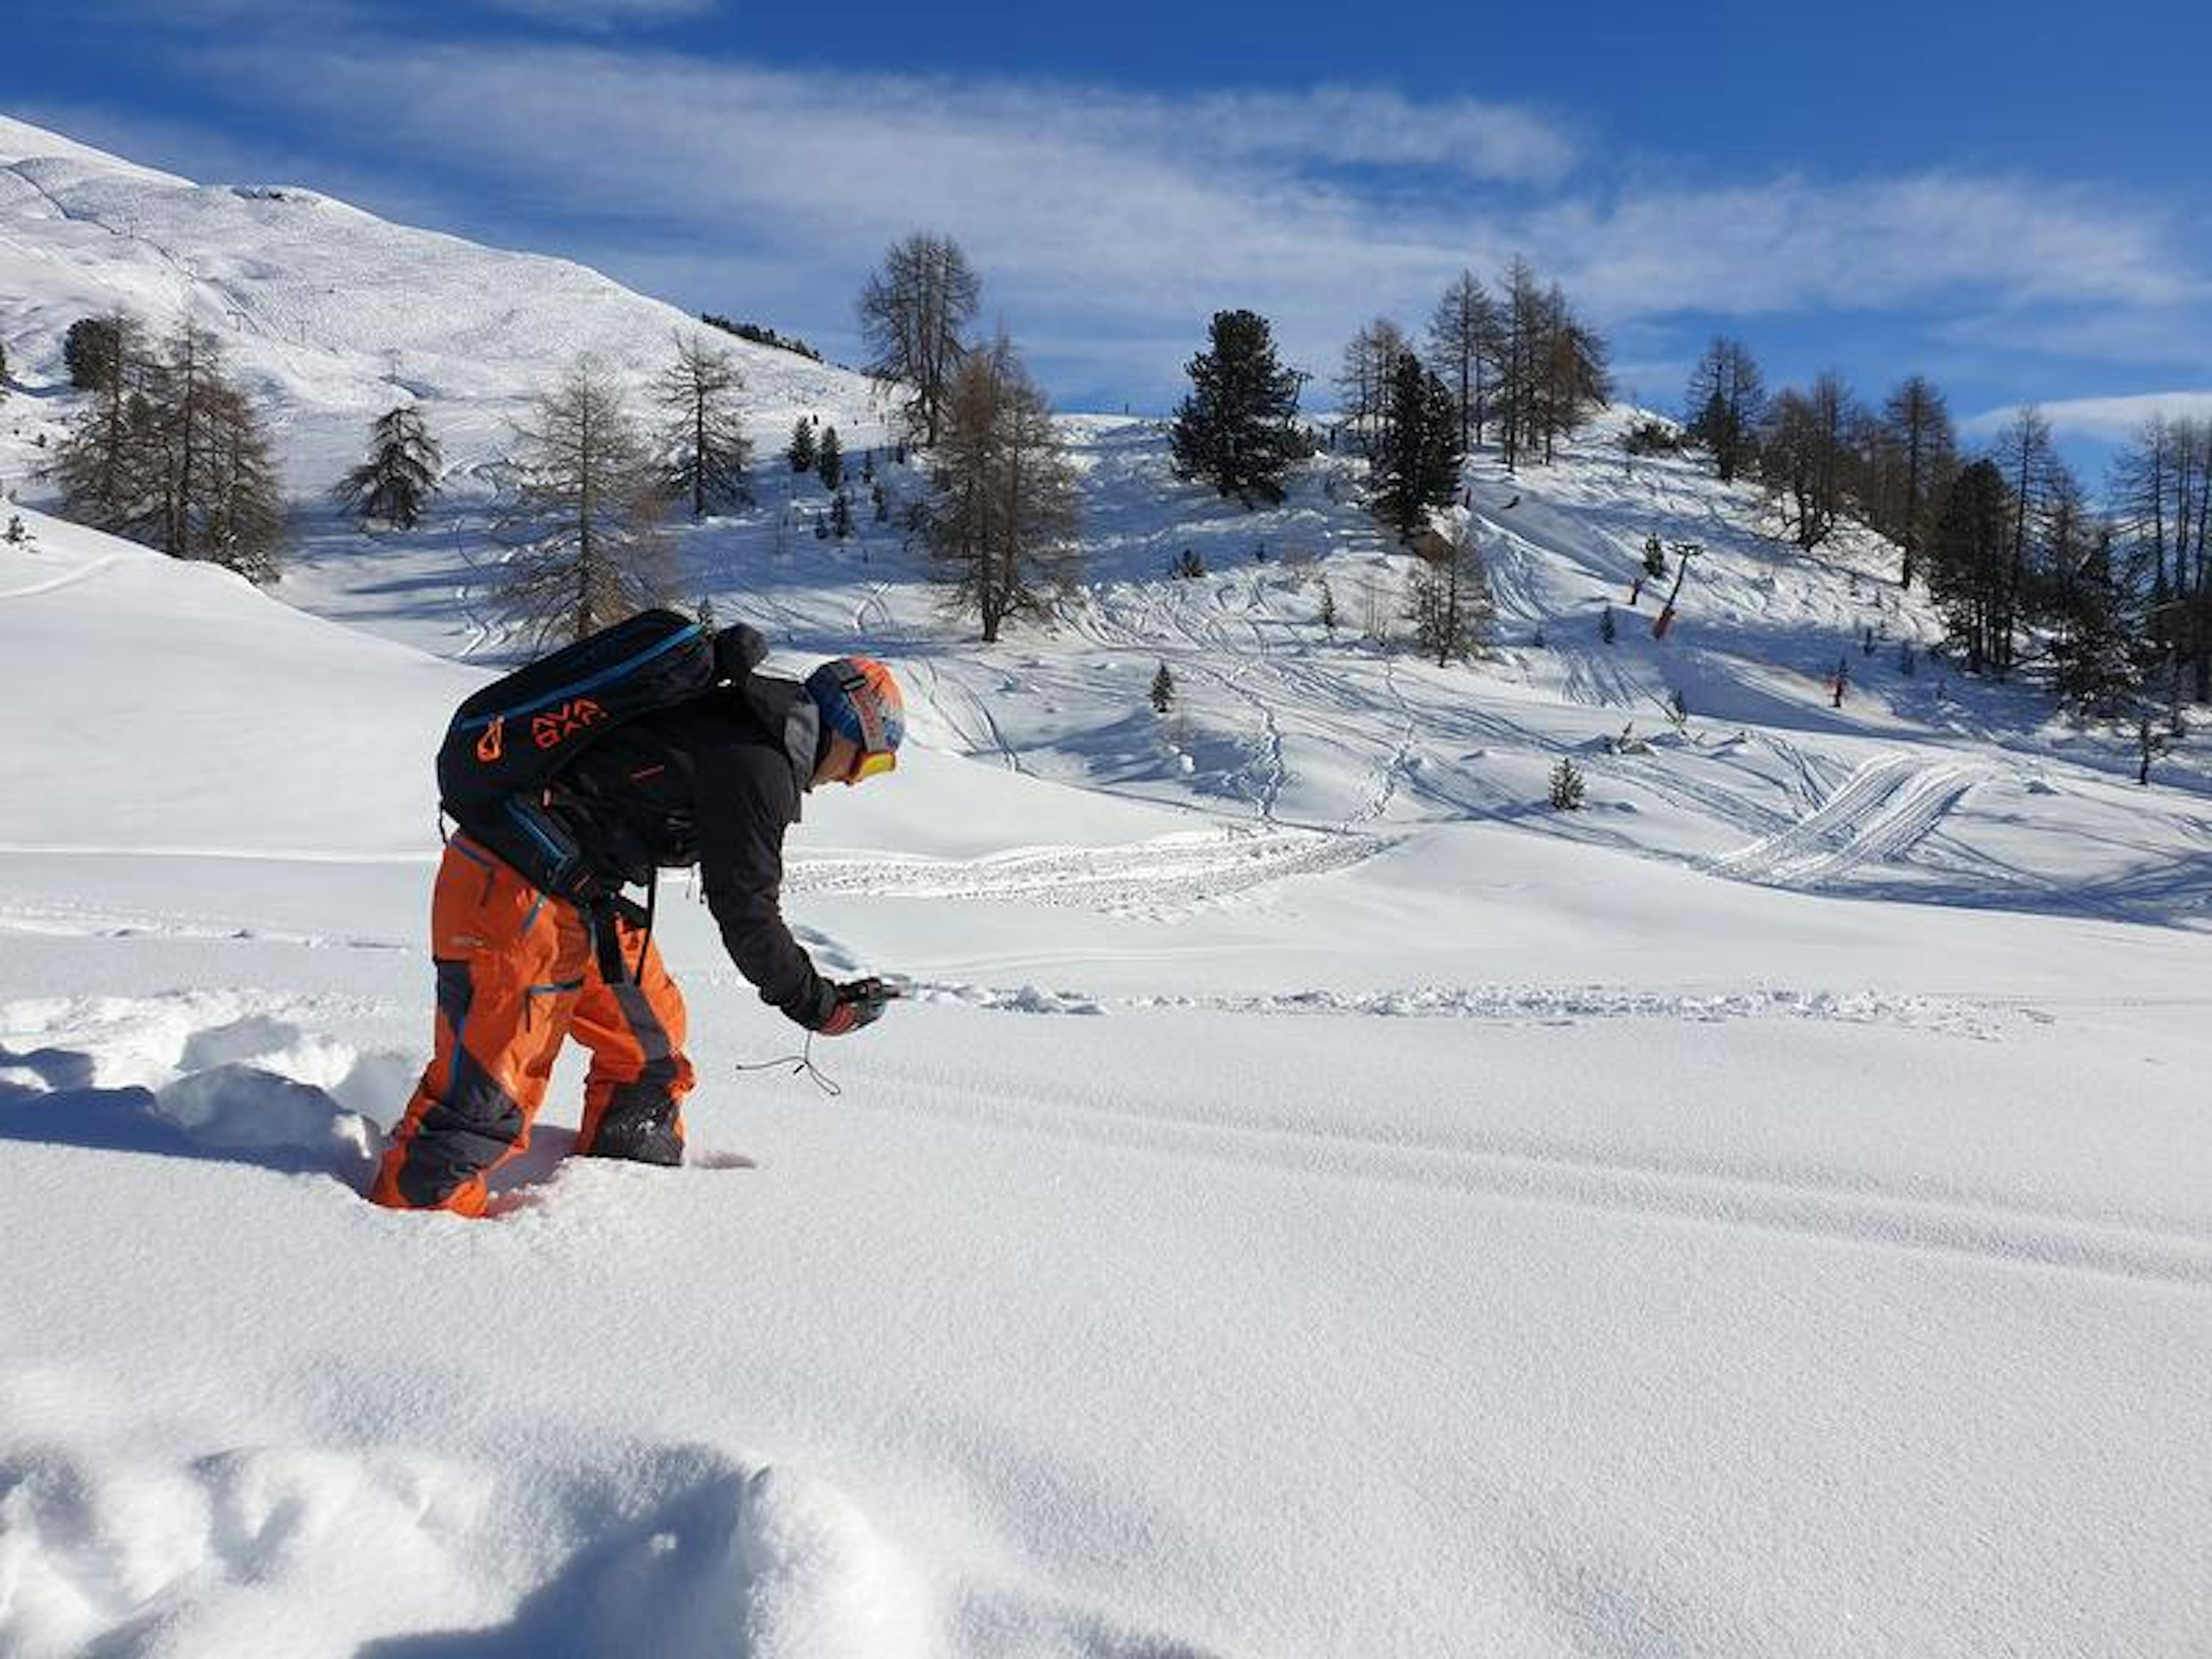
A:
(2013, 200)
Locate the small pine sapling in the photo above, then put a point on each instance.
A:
(1655, 558)
(395, 481)
(1163, 691)
(1567, 786)
(802, 446)
(840, 515)
(829, 460)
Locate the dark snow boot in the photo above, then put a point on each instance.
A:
(651, 1136)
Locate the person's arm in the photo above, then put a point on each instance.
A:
(745, 802)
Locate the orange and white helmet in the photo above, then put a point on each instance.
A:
(860, 700)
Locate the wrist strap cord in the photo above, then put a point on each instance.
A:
(801, 1063)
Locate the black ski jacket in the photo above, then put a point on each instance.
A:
(714, 783)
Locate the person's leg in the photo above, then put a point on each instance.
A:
(634, 1094)
(510, 967)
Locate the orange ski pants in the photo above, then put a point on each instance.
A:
(517, 974)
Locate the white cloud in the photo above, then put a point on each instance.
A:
(308, 19)
(1099, 215)
(1792, 243)
(2102, 420)
(1365, 126)
(2172, 338)
(603, 14)
(1102, 212)
(305, 17)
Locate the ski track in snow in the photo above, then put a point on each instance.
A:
(1881, 812)
(78, 920)
(250, 1076)
(1529, 1004)
(67, 578)
(1802, 1203)
(1171, 876)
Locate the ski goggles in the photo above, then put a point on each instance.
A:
(867, 765)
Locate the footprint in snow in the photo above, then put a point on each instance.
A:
(194, 1075)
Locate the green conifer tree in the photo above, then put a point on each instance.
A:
(1418, 458)
(90, 350)
(1238, 427)
(400, 476)
(1163, 692)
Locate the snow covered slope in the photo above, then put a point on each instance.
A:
(176, 761)
(1251, 1240)
(1922, 786)
(1315, 1202)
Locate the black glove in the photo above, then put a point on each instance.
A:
(860, 1002)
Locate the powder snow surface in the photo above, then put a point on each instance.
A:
(1314, 1201)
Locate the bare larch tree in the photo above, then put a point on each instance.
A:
(1364, 383)
(1003, 508)
(1922, 451)
(583, 525)
(1464, 343)
(914, 311)
(706, 451)
(1726, 400)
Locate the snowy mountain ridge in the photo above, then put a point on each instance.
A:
(329, 315)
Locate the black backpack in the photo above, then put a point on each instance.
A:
(509, 741)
